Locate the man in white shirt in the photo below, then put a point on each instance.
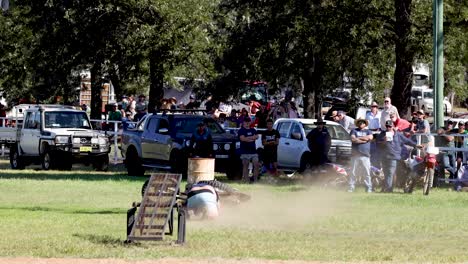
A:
(346, 121)
(388, 107)
(373, 117)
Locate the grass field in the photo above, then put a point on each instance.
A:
(83, 214)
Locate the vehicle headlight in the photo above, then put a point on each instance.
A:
(237, 145)
(76, 140)
(187, 143)
(62, 139)
(215, 147)
(103, 141)
(227, 146)
(94, 140)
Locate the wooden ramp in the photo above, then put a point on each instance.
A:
(156, 209)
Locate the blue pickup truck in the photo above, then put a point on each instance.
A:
(162, 141)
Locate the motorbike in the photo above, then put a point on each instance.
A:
(339, 176)
(422, 168)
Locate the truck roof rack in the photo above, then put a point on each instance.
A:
(34, 106)
(183, 111)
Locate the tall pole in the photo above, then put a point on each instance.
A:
(438, 62)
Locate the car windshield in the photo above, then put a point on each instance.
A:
(59, 119)
(428, 95)
(336, 131)
(188, 125)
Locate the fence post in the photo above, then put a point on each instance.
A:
(116, 126)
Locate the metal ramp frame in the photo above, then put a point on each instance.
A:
(156, 211)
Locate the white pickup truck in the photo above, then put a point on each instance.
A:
(55, 136)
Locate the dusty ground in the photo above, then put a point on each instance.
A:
(160, 261)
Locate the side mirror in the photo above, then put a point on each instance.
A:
(297, 136)
(163, 131)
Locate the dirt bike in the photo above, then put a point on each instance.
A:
(339, 176)
(422, 168)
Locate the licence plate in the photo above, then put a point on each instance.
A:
(86, 149)
(222, 156)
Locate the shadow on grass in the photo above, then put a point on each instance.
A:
(50, 209)
(101, 239)
(69, 175)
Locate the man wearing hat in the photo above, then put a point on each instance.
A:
(373, 117)
(391, 143)
(319, 142)
(361, 138)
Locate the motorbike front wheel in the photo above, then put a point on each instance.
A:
(428, 178)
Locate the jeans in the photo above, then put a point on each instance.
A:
(449, 164)
(361, 164)
(389, 167)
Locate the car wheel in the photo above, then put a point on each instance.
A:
(15, 159)
(306, 163)
(133, 162)
(48, 160)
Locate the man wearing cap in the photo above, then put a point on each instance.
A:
(191, 104)
(461, 141)
(270, 141)
(446, 158)
(400, 124)
(141, 107)
(373, 117)
(388, 107)
(361, 138)
(124, 102)
(423, 127)
(346, 121)
(248, 150)
(201, 143)
(391, 143)
(319, 142)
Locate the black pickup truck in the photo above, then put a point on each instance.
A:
(162, 141)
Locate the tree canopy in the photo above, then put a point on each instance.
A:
(140, 45)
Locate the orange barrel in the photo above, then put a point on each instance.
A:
(200, 169)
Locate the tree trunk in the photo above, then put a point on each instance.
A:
(312, 89)
(156, 92)
(404, 53)
(96, 88)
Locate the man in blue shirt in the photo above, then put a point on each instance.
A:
(391, 143)
(361, 138)
(248, 150)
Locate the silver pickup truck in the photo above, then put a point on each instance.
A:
(162, 141)
(55, 136)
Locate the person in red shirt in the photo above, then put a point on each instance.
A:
(399, 124)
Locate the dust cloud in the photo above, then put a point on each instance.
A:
(277, 210)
